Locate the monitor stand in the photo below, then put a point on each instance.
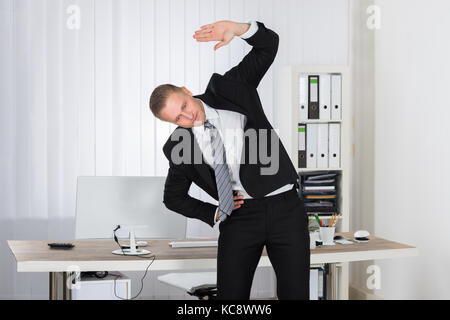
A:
(133, 250)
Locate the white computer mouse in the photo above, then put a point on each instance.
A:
(361, 236)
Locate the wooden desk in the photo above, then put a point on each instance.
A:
(95, 255)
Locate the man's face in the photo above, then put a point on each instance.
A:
(183, 110)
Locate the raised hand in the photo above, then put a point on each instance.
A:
(222, 31)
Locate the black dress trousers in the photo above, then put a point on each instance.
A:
(278, 222)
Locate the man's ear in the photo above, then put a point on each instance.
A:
(186, 91)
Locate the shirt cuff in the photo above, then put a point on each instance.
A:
(251, 31)
(218, 221)
(216, 226)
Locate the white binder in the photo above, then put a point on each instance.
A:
(303, 97)
(325, 97)
(336, 99)
(311, 145)
(334, 155)
(322, 146)
(313, 284)
(301, 145)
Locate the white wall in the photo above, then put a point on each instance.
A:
(410, 144)
(75, 102)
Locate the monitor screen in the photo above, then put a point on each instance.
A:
(105, 202)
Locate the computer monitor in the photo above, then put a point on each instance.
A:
(105, 202)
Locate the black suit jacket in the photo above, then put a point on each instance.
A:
(235, 91)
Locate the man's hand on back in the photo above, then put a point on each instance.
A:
(238, 201)
(222, 31)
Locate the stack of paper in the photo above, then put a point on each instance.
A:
(319, 192)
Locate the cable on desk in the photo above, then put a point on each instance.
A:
(153, 257)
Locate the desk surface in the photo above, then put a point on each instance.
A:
(95, 255)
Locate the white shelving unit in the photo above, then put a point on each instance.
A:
(287, 120)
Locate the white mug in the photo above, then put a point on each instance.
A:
(327, 235)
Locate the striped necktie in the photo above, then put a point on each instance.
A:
(222, 173)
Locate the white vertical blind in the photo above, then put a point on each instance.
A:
(147, 78)
(75, 101)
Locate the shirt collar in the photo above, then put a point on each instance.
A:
(211, 114)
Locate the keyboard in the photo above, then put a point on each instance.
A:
(193, 244)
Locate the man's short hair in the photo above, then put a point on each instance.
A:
(159, 97)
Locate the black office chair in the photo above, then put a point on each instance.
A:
(199, 284)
